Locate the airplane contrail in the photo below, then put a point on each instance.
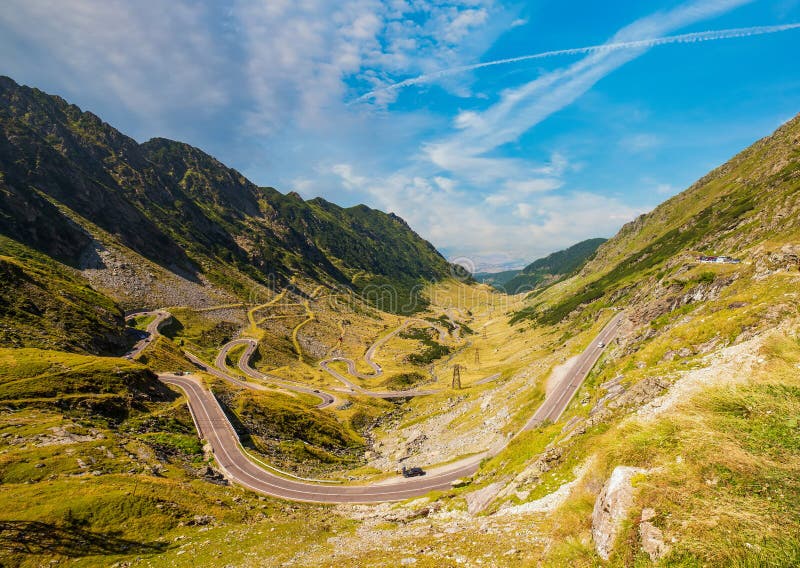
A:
(651, 42)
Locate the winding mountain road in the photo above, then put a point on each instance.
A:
(368, 357)
(161, 317)
(251, 345)
(215, 428)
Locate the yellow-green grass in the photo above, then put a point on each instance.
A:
(295, 341)
(198, 331)
(27, 374)
(724, 481)
(47, 305)
(292, 434)
(162, 355)
(746, 305)
(142, 321)
(121, 517)
(253, 330)
(131, 495)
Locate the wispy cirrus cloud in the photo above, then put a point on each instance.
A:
(521, 108)
(694, 37)
(533, 201)
(266, 86)
(302, 56)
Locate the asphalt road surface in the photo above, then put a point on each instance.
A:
(215, 428)
(555, 404)
(217, 431)
(355, 389)
(244, 365)
(368, 357)
(152, 331)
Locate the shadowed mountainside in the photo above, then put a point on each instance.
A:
(65, 176)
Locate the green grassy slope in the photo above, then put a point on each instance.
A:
(721, 458)
(752, 200)
(45, 304)
(100, 463)
(553, 267)
(291, 433)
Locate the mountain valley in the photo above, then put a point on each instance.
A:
(332, 347)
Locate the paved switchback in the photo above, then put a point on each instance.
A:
(251, 345)
(215, 428)
(161, 316)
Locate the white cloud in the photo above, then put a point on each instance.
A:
(524, 210)
(532, 185)
(293, 64)
(301, 55)
(349, 179)
(485, 229)
(445, 184)
(521, 108)
(152, 61)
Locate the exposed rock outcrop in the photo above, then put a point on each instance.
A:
(651, 537)
(478, 500)
(611, 508)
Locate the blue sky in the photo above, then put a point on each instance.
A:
(498, 165)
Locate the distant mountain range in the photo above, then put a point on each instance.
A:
(544, 271)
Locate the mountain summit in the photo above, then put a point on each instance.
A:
(73, 186)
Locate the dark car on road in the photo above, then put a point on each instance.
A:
(413, 471)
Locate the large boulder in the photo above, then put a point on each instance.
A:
(611, 508)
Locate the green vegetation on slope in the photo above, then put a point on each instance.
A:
(431, 349)
(754, 198)
(183, 209)
(551, 268)
(290, 433)
(44, 304)
(100, 463)
(403, 381)
(101, 386)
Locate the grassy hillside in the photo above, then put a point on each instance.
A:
(553, 267)
(748, 208)
(100, 463)
(44, 304)
(290, 433)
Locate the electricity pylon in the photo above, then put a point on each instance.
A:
(457, 376)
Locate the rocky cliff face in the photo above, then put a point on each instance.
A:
(66, 177)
